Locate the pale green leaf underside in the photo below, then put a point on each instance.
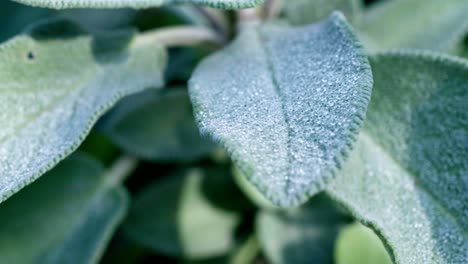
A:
(174, 217)
(74, 213)
(357, 244)
(286, 103)
(61, 4)
(424, 24)
(301, 235)
(157, 125)
(301, 12)
(54, 89)
(407, 177)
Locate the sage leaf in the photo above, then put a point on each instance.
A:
(60, 4)
(157, 125)
(357, 244)
(74, 214)
(406, 178)
(176, 217)
(301, 12)
(301, 235)
(286, 103)
(423, 24)
(56, 82)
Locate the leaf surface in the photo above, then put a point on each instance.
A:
(407, 177)
(56, 82)
(176, 217)
(61, 4)
(74, 213)
(285, 103)
(423, 24)
(157, 125)
(301, 235)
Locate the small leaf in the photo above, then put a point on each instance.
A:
(56, 82)
(60, 4)
(286, 104)
(358, 244)
(425, 24)
(407, 176)
(301, 235)
(301, 12)
(157, 125)
(67, 216)
(175, 217)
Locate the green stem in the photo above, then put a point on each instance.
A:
(180, 36)
(121, 170)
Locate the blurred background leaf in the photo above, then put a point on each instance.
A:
(173, 216)
(158, 126)
(67, 216)
(358, 244)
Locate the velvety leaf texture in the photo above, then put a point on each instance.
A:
(157, 125)
(54, 88)
(407, 177)
(301, 235)
(74, 215)
(60, 4)
(425, 24)
(286, 104)
(175, 217)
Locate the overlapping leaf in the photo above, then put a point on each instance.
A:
(407, 177)
(286, 103)
(56, 82)
(67, 216)
(60, 4)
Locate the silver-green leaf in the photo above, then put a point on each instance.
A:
(286, 103)
(61, 4)
(407, 177)
(74, 213)
(56, 82)
(157, 125)
(424, 24)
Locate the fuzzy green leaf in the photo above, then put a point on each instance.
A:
(56, 82)
(407, 176)
(67, 216)
(61, 4)
(301, 12)
(157, 125)
(301, 235)
(357, 244)
(425, 24)
(286, 103)
(177, 216)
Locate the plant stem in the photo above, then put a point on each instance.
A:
(180, 36)
(121, 170)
